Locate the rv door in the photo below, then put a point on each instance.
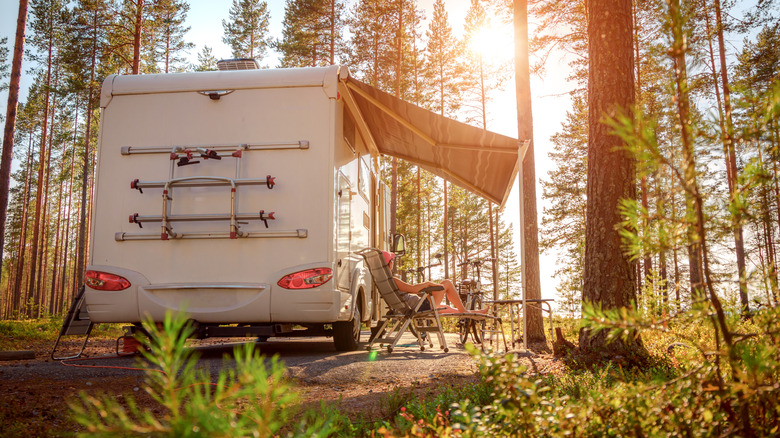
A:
(344, 233)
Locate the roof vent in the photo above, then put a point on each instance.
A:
(237, 64)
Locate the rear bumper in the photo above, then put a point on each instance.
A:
(214, 303)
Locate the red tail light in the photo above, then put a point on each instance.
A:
(306, 279)
(105, 281)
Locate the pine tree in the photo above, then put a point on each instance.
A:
(132, 34)
(609, 276)
(170, 47)
(563, 221)
(4, 67)
(47, 33)
(88, 55)
(442, 68)
(206, 60)
(10, 118)
(246, 31)
(311, 34)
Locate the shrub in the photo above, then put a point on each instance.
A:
(247, 399)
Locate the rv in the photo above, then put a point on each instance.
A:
(241, 197)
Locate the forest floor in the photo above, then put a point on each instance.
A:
(363, 386)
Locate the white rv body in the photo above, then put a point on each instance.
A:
(288, 126)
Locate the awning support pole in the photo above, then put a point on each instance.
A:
(521, 159)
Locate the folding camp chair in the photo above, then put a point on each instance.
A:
(400, 315)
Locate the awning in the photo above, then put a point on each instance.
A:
(480, 161)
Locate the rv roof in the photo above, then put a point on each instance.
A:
(119, 85)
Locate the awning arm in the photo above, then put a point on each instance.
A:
(391, 113)
(524, 148)
(362, 126)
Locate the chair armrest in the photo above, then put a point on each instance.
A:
(430, 289)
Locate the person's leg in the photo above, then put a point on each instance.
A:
(438, 297)
(452, 294)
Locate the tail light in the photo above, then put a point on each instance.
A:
(105, 281)
(306, 279)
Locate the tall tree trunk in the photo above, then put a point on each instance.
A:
(397, 88)
(137, 31)
(419, 221)
(32, 290)
(46, 212)
(10, 118)
(731, 162)
(18, 280)
(40, 193)
(446, 218)
(68, 274)
(530, 235)
(609, 275)
(676, 264)
(446, 233)
(728, 147)
(81, 250)
(332, 49)
(54, 305)
(695, 207)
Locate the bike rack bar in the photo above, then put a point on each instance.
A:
(300, 233)
(132, 150)
(205, 181)
(262, 215)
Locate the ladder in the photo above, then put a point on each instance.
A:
(76, 323)
(185, 156)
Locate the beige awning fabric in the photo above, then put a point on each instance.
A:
(480, 161)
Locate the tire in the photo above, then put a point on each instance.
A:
(463, 330)
(479, 326)
(346, 334)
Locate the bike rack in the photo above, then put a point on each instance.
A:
(185, 156)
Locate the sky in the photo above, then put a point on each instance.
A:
(550, 94)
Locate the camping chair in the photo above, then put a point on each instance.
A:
(401, 316)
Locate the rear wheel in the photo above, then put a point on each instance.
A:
(346, 334)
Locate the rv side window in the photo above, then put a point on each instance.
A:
(349, 130)
(364, 176)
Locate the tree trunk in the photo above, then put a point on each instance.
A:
(531, 276)
(731, 162)
(55, 297)
(81, 250)
(728, 148)
(32, 289)
(332, 49)
(10, 118)
(137, 30)
(18, 280)
(68, 274)
(609, 274)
